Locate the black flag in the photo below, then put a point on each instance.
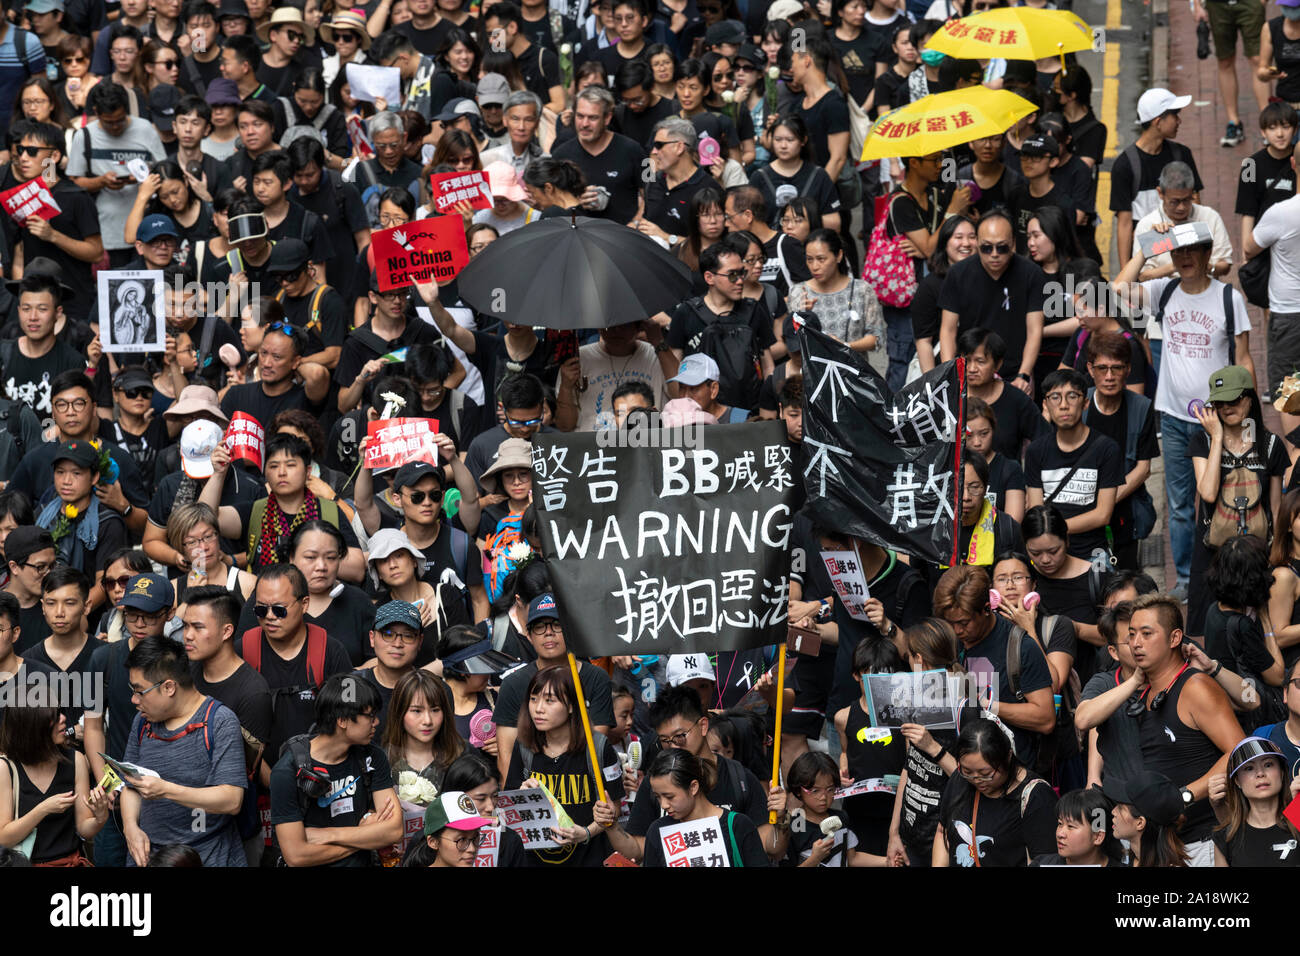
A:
(681, 544)
(883, 467)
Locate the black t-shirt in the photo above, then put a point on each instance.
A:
(1002, 304)
(612, 58)
(514, 686)
(470, 421)
(426, 41)
(27, 380)
(810, 180)
(207, 72)
(1236, 641)
(1026, 206)
(927, 317)
(887, 89)
(1125, 187)
(617, 167)
(298, 223)
(1078, 599)
(348, 620)
(1003, 835)
(80, 666)
(858, 57)
(687, 328)
(1019, 421)
(718, 127)
(1117, 736)
(277, 78)
(746, 833)
(540, 69)
(79, 219)
(1088, 137)
(825, 118)
(669, 209)
(117, 709)
(999, 194)
(925, 783)
(240, 485)
(1095, 465)
(1273, 846)
(1115, 427)
(1262, 182)
(362, 345)
(347, 801)
(639, 127)
(252, 400)
(245, 692)
(339, 207)
(326, 325)
(988, 660)
(34, 628)
(1004, 475)
(737, 789)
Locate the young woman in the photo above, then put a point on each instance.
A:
(1284, 594)
(680, 781)
(554, 187)
(124, 45)
(74, 53)
(847, 307)
(468, 662)
(956, 242)
(1249, 800)
(37, 99)
(162, 65)
(1013, 578)
(57, 805)
(420, 735)
(1083, 832)
(460, 56)
(457, 149)
(552, 748)
(480, 780)
(1230, 459)
(1092, 298)
(706, 223)
(721, 74)
(752, 257)
(800, 218)
(167, 191)
(693, 81)
(395, 569)
(510, 483)
(1238, 630)
(663, 65)
(192, 532)
(751, 94)
(812, 781)
(1066, 584)
(994, 812)
(309, 108)
(906, 59)
(1006, 477)
(479, 236)
(452, 837)
(1148, 814)
(212, 248)
(792, 173)
(1052, 244)
(122, 566)
(343, 610)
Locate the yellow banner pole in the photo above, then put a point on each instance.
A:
(586, 727)
(780, 707)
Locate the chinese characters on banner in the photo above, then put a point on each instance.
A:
(245, 438)
(668, 550)
(850, 583)
(31, 198)
(451, 188)
(427, 250)
(881, 466)
(695, 843)
(528, 813)
(395, 441)
(489, 846)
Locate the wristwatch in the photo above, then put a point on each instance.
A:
(1187, 797)
(1024, 375)
(129, 508)
(663, 346)
(893, 629)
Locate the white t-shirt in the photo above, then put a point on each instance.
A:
(1279, 229)
(605, 373)
(138, 141)
(1196, 342)
(1222, 251)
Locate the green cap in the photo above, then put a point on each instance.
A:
(1227, 384)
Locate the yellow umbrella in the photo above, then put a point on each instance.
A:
(942, 120)
(1014, 33)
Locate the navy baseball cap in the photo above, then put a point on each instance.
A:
(542, 608)
(412, 472)
(398, 612)
(150, 593)
(156, 226)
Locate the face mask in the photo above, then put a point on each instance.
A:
(1291, 13)
(931, 57)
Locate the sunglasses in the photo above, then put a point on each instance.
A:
(120, 582)
(346, 36)
(75, 59)
(141, 392)
(279, 610)
(284, 328)
(288, 276)
(295, 37)
(1001, 248)
(31, 150)
(735, 275)
(523, 423)
(418, 497)
(170, 64)
(661, 143)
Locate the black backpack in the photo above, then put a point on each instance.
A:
(729, 341)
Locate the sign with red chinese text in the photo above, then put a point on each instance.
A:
(427, 250)
(695, 843)
(396, 441)
(246, 438)
(28, 199)
(451, 188)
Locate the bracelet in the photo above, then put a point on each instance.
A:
(1024, 375)
(1218, 666)
(939, 756)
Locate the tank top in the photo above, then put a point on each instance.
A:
(56, 835)
(873, 752)
(1181, 753)
(1286, 54)
(1289, 654)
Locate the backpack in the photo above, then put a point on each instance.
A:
(329, 511)
(251, 650)
(20, 48)
(1228, 313)
(11, 416)
(313, 312)
(300, 747)
(1143, 507)
(1064, 741)
(313, 130)
(733, 346)
(887, 268)
(1239, 508)
(194, 76)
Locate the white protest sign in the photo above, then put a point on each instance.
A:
(371, 83)
(529, 814)
(695, 843)
(489, 846)
(845, 570)
(870, 785)
(132, 313)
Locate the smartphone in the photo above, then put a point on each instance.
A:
(195, 169)
(562, 345)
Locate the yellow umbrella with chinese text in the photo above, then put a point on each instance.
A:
(943, 120)
(1013, 33)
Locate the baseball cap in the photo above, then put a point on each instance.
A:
(1227, 384)
(493, 90)
(784, 9)
(412, 472)
(221, 91)
(725, 31)
(197, 443)
(697, 369)
(26, 540)
(80, 453)
(156, 226)
(133, 376)
(149, 593)
(454, 109)
(755, 55)
(43, 6)
(398, 612)
(162, 105)
(1157, 102)
(1248, 750)
(456, 810)
(288, 256)
(504, 181)
(542, 608)
(1041, 145)
(1151, 794)
(687, 667)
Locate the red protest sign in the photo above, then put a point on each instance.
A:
(396, 441)
(358, 134)
(451, 188)
(246, 438)
(427, 250)
(31, 198)
(1292, 812)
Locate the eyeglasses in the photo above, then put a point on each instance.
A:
(75, 59)
(141, 392)
(417, 497)
(818, 791)
(1108, 369)
(792, 219)
(199, 542)
(678, 739)
(399, 638)
(969, 775)
(32, 150)
(41, 568)
(75, 404)
(1001, 248)
(388, 146)
(627, 19)
(279, 610)
(468, 840)
(389, 220)
(140, 617)
(33, 104)
(546, 627)
(523, 423)
(141, 693)
(1005, 579)
(1063, 398)
(754, 260)
(735, 275)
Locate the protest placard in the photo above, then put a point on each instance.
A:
(489, 846)
(928, 698)
(370, 83)
(845, 570)
(246, 438)
(528, 813)
(132, 313)
(450, 188)
(870, 785)
(668, 549)
(1184, 234)
(428, 250)
(28, 199)
(360, 137)
(395, 441)
(695, 843)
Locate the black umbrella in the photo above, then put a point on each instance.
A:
(574, 273)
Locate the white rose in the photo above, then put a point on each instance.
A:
(566, 48)
(728, 96)
(773, 72)
(518, 551)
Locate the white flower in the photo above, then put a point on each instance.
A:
(413, 788)
(728, 96)
(566, 48)
(773, 72)
(392, 403)
(518, 551)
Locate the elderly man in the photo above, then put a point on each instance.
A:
(611, 162)
(523, 112)
(1176, 189)
(678, 177)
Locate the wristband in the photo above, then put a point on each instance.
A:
(939, 756)
(1024, 375)
(1218, 666)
